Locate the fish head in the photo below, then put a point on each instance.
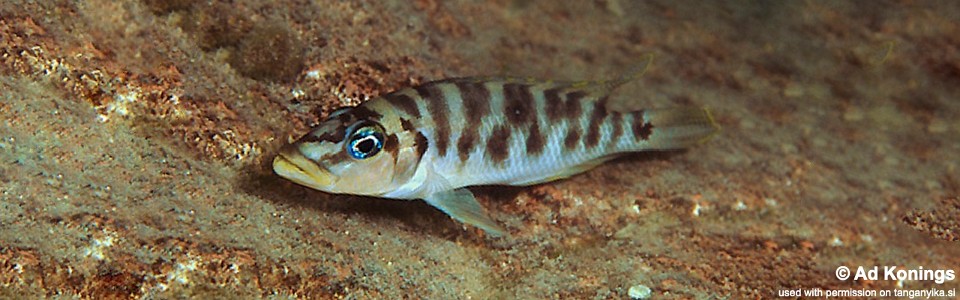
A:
(357, 150)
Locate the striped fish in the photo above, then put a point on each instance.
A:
(431, 141)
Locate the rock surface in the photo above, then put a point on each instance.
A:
(137, 135)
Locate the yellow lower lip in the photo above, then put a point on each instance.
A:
(297, 168)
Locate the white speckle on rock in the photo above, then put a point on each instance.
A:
(180, 272)
(836, 242)
(298, 93)
(98, 245)
(739, 206)
(770, 202)
(639, 292)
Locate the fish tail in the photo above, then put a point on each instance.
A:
(673, 128)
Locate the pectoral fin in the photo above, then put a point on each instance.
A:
(460, 205)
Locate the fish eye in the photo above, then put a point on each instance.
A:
(365, 142)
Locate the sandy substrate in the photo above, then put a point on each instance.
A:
(137, 136)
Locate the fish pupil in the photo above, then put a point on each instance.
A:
(366, 145)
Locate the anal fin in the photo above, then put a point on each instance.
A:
(460, 205)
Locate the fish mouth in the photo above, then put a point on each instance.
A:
(293, 166)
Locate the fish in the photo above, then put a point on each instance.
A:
(431, 141)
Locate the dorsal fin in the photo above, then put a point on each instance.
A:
(595, 89)
(600, 88)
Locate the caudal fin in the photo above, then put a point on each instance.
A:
(675, 128)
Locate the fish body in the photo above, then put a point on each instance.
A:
(431, 141)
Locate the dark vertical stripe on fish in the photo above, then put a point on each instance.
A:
(392, 146)
(553, 105)
(641, 128)
(404, 103)
(422, 144)
(406, 125)
(362, 112)
(646, 131)
(476, 100)
(498, 146)
(617, 128)
(518, 105)
(535, 140)
(571, 107)
(437, 107)
(468, 139)
(573, 137)
(596, 119)
(476, 104)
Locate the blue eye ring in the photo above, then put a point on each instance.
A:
(365, 142)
